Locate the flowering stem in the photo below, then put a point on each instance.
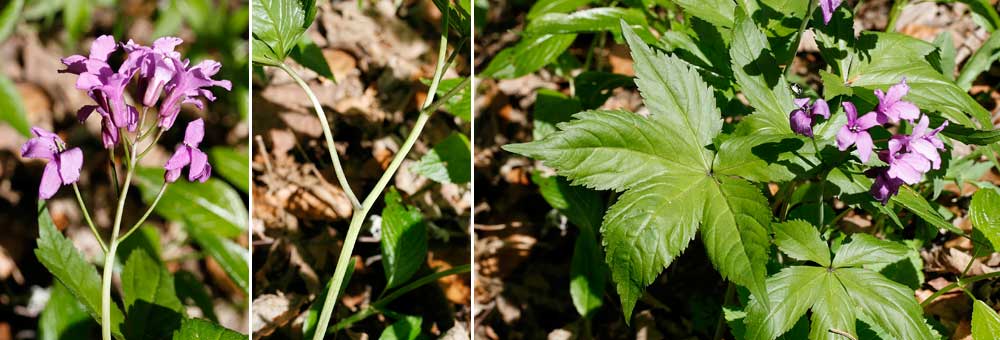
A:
(109, 257)
(86, 216)
(334, 157)
(145, 215)
(359, 214)
(897, 9)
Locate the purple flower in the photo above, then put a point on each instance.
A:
(885, 186)
(892, 108)
(904, 165)
(63, 167)
(188, 154)
(828, 7)
(801, 119)
(926, 143)
(153, 64)
(855, 132)
(102, 83)
(186, 85)
(109, 133)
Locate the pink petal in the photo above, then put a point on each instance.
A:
(199, 160)
(102, 47)
(70, 162)
(845, 138)
(195, 132)
(75, 64)
(801, 102)
(172, 175)
(50, 181)
(896, 92)
(39, 147)
(904, 110)
(821, 108)
(927, 150)
(180, 158)
(921, 128)
(204, 176)
(865, 145)
(868, 121)
(851, 111)
(166, 44)
(85, 112)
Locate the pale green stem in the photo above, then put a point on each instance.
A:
(897, 9)
(109, 257)
(382, 302)
(334, 157)
(798, 36)
(359, 214)
(145, 215)
(957, 284)
(86, 216)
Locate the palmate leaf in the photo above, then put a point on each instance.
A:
(763, 84)
(277, 25)
(838, 295)
(662, 165)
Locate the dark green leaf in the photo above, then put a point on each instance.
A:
(580, 205)
(11, 109)
(554, 6)
(720, 13)
(64, 261)
(189, 287)
(407, 328)
(309, 55)
(593, 89)
(151, 304)
(277, 25)
(601, 19)
(232, 165)
(756, 71)
(980, 61)
(232, 257)
(529, 55)
(448, 162)
(64, 318)
(588, 274)
(212, 204)
(459, 105)
(198, 329)
(404, 240)
(9, 17)
(985, 214)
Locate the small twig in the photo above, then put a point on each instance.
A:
(263, 152)
(842, 333)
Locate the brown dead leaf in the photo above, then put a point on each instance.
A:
(272, 311)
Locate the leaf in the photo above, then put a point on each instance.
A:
(601, 19)
(527, 56)
(458, 16)
(232, 257)
(985, 321)
(404, 240)
(592, 90)
(213, 203)
(665, 170)
(189, 287)
(151, 304)
(766, 158)
(76, 16)
(834, 86)
(756, 71)
(801, 241)
(987, 13)
(720, 13)
(891, 306)
(198, 329)
(554, 6)
(866, 250)
(9, 17)
(914, 202)
(407, 328)
(232, 165)
(580, 205)
(896, 56)
(551, 108)
(277, 26)
(588, 274)
(64, 318)
(64, 261)
(11, 108)
(791, 292)
(448, 162)
(309, 55)
(832, 310)
(985, 214)
(980, 61)
(946, 47)
(459, 105)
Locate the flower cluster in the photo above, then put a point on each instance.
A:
(164, 80)
(908, 157)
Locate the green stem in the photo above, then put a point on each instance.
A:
(897, 9)
(109, 257)
(334, 156)
(798, 36)
(381, 303)
(86, 216)
(145, 215)
(957, 284)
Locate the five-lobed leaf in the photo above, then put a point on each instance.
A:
(801, 241)
(662, 164)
